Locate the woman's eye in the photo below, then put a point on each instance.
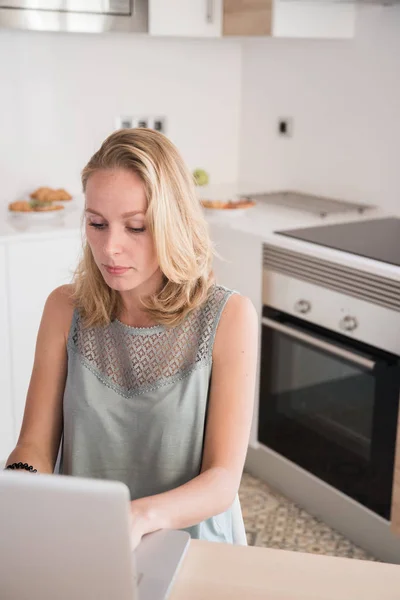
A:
(136, 230)
(97, 225)
(130, 229)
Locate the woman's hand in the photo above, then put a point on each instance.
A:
(141, 521)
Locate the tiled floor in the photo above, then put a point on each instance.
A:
(273, 521)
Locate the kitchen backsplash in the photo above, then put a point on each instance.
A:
(344, 99)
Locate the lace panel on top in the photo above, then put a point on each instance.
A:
(132, 360)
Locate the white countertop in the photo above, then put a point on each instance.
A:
(58, 224)
(263, 221)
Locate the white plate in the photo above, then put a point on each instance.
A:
(36, 216)
(226, 213)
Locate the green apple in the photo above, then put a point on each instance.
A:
(200, 177)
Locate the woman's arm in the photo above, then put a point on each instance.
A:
(227, 432)
(40, 435)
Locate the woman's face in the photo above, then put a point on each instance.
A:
(116, 231)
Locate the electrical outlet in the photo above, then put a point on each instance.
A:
(124, 122)
(285, 127)
(157, 123)
(130, 122)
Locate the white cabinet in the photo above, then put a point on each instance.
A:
(240, 268)
(311, 19)
(276, 18)
(240, 265)
(35, 268)
(289, 18)
(7, 438)
(192, 18)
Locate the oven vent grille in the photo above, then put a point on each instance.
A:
(360, 284)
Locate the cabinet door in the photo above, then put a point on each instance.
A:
(35, 269)
(240, 268)
(7, 437)
(310, 19)
(194, 18)
(240, 264)
(241, 17)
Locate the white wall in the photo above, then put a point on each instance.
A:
(60, 94)
(344, 97)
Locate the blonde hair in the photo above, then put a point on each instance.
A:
(174, 218)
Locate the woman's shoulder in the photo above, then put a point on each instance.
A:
(238, 314)
(226, 312)
(229, 300)
(237, 331)
(62, 296)
(59, 307)
(218, 293)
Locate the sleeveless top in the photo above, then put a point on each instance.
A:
(135, 407)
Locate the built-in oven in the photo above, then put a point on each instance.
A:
(329, 395)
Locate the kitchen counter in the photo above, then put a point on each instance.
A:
(225, 572)
(264, 220)
(17, 227)
(261, 221)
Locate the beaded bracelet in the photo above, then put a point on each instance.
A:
(21, 465)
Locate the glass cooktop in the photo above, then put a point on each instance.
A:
(378, 239)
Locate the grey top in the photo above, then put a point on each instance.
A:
(135, 406)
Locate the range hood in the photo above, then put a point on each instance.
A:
(91, 16)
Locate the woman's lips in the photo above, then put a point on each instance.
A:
(116, 270)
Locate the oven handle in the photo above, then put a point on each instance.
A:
(350, 356)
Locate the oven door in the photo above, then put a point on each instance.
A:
(330, 404)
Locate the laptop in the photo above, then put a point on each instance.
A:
(64, 538)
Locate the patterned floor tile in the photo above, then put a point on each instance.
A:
(273, 521)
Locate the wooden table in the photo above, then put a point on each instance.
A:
(213, 571)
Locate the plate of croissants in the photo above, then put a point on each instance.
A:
(43, 203)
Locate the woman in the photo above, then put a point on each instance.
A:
(143, 365)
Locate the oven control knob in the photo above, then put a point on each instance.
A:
(302, 306)
(348, 323)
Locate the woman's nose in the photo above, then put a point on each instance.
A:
(112, 243)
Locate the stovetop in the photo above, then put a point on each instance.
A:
(378, 239)
(318, 205)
